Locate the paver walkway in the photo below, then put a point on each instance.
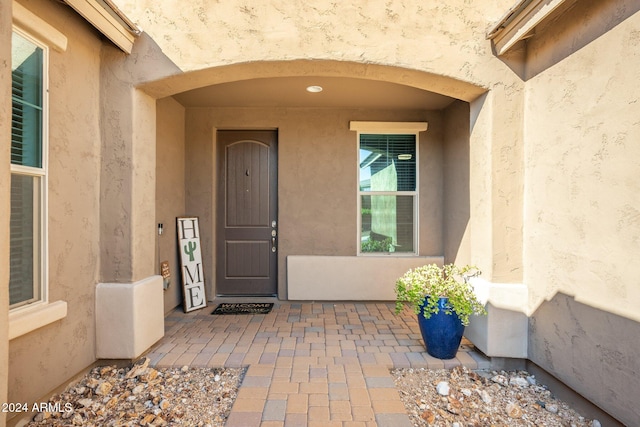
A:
(309, 364)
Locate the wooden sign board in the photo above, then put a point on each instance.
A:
(191, 264)
(166, 274)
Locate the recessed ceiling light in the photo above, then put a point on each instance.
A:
(314, 89)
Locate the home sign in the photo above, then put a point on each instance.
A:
(191, 264)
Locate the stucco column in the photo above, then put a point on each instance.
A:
(5, 195)
(127, 181)
(496, 205)
(496, 187)
(129, 299)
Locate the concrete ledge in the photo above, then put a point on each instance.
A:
(503, 332)
(348, 278)
(129, 318)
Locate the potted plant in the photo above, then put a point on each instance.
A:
(443, 300)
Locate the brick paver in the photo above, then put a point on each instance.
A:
(308, 364)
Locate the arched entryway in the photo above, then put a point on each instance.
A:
(317, 203)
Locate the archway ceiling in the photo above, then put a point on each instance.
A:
(338, 92)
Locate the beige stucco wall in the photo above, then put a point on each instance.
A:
(317, 173)
(582, 209)
(5, 198)
(94, 152)
(170, 189)
(42, 359)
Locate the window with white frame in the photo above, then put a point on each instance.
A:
(27, 283)
(388, 192)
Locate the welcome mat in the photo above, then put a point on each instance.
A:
(243, 308)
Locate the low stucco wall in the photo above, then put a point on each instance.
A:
(339, 278)
(129, 318)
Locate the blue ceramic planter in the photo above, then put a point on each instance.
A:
(442, 332)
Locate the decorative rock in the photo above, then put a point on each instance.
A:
(428, 416)
(149, 376)
(41, 416)
(443, 388)
(137, 389)
(140, 368)
(454, 406)
(551, 407)
(148, 419)
(85, 402)
(514, 410)
(111, 403)
(103, 388)
(595, 423)
(466, 392)
(164, 404)
(520, 382)
(500, 379)
(531, 380)
(486, 397)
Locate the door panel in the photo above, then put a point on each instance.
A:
(247, 213)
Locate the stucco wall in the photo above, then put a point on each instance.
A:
(456, 196)
(42, 359)
(128, 185)
(582, 215)
(170, 189)
(5, 198)
(317, 173)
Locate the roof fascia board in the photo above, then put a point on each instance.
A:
(120, 33)
(519, 22)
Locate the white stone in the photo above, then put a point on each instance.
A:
(443, 388)
(520, 382)
(553, 408)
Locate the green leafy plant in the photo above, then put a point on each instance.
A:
(448, 281)
(376, 245)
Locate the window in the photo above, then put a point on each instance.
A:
(388, 192)
(28, 171)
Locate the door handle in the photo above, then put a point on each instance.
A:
(273, 244)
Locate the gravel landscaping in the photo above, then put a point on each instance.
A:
(464, 398)
(145, 396)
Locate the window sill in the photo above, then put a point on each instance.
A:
(26, 320)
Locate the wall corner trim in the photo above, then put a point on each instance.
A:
(29, 319)
(36, 26)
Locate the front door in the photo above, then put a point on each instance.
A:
(247, 213)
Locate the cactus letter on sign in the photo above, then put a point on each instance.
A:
(191, 259)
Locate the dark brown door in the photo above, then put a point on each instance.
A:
(247, 213)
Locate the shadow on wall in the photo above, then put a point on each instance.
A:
(567, 30)
(458, 122)
(592, 351)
